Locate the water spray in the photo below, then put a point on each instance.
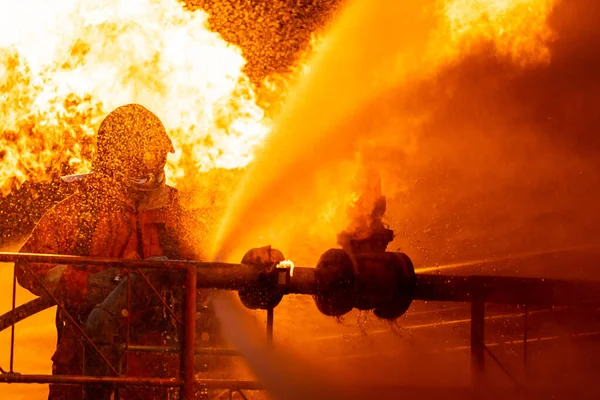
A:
(361, 275)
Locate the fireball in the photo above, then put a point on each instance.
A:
(65, 64)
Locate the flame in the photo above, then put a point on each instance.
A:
(65, 64)
(517, 28)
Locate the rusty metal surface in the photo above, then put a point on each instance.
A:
(189, 335)
(79, 379)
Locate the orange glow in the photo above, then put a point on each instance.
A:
(517, 28)
(62, 68)
(65, 63)
(318, 138)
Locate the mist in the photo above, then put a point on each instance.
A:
(480, 155)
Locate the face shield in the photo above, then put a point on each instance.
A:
(148, 183)
(148, 173)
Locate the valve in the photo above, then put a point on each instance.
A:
(334, 283)
(381, 281)
(268, 292)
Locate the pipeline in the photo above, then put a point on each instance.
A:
(384, 282)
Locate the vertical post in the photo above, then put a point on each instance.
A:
(189, 336)
(477, 344)
(83, 369)
(117, 392)
(128, 316)
(525, 317)
(270, 316)
(12, 328)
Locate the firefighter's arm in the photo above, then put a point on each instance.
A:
(43, 240)
(51, 236)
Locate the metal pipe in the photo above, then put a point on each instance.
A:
(432, 287)
(270, 318)
(189, 338)
(206, 351)
(233, 277)
(80, 379)
(129, 381)
(128, 333)
(303, 281)
(217, 275)
(86, 262)
(477, 343)
(12, 328)
(525, 327)
(507, 290)
(24, 311)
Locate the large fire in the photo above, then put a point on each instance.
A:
(64, 65)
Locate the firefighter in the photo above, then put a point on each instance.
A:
(122, 209)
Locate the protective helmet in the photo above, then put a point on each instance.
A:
(132, 146)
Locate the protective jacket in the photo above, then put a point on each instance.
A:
(101, 220)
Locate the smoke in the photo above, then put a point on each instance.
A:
(426, 98)
(302, 159)
(506, 159)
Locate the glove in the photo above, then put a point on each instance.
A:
(263, 257)
(156, 275)
(53, 277)
(67, 284)
(157, 258)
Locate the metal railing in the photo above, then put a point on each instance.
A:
(187, 381)
(476, 290)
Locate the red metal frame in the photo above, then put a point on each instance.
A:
(187, 381)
